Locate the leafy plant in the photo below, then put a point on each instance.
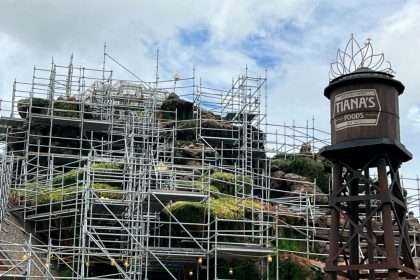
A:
(304, 166)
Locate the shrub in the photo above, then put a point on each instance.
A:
(280, 163)
(222, 207)
(188, 211)
(307, 167)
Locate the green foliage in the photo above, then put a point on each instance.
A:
(107, 165)
(225, 208)
(65, 187)
(174, 103)
(108, 191)
(243, 269)
(44, 194)
(72, 176)
(64, 272)
(68, 178)
(291, 245)
(186, 130)
(281, 163)
(232, 208)
(289, 270)
(304, 166)
(66, 109)
(38, 106)
(188, 211)
(202, 187)
(40, 102)
(225, 183)
(221, 207)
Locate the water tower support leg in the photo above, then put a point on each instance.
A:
(389, 242)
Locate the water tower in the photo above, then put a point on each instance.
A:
(369, 230)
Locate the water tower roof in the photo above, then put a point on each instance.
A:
(363, 75)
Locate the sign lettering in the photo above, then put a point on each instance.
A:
(356, 108)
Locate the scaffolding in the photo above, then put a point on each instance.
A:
(93, 168)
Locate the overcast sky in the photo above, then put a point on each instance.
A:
(295, 40)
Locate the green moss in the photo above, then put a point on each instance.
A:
(203, 187)
(44, 194)
(68, 178)
(107, 165)
(225, 183)
(221, 207)
(65, 187)
(232, 208)
(188, 211)
(72, 176)
(107, 191)
(225, 208)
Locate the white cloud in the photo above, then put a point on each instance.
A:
(413, 115)
(301, 35)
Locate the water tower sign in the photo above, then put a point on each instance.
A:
(354, 108)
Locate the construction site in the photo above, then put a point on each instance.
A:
(108, 178)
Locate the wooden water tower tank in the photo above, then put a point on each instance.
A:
(364, 105)
(364, 115)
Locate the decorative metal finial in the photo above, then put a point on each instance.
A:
(355, 57)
